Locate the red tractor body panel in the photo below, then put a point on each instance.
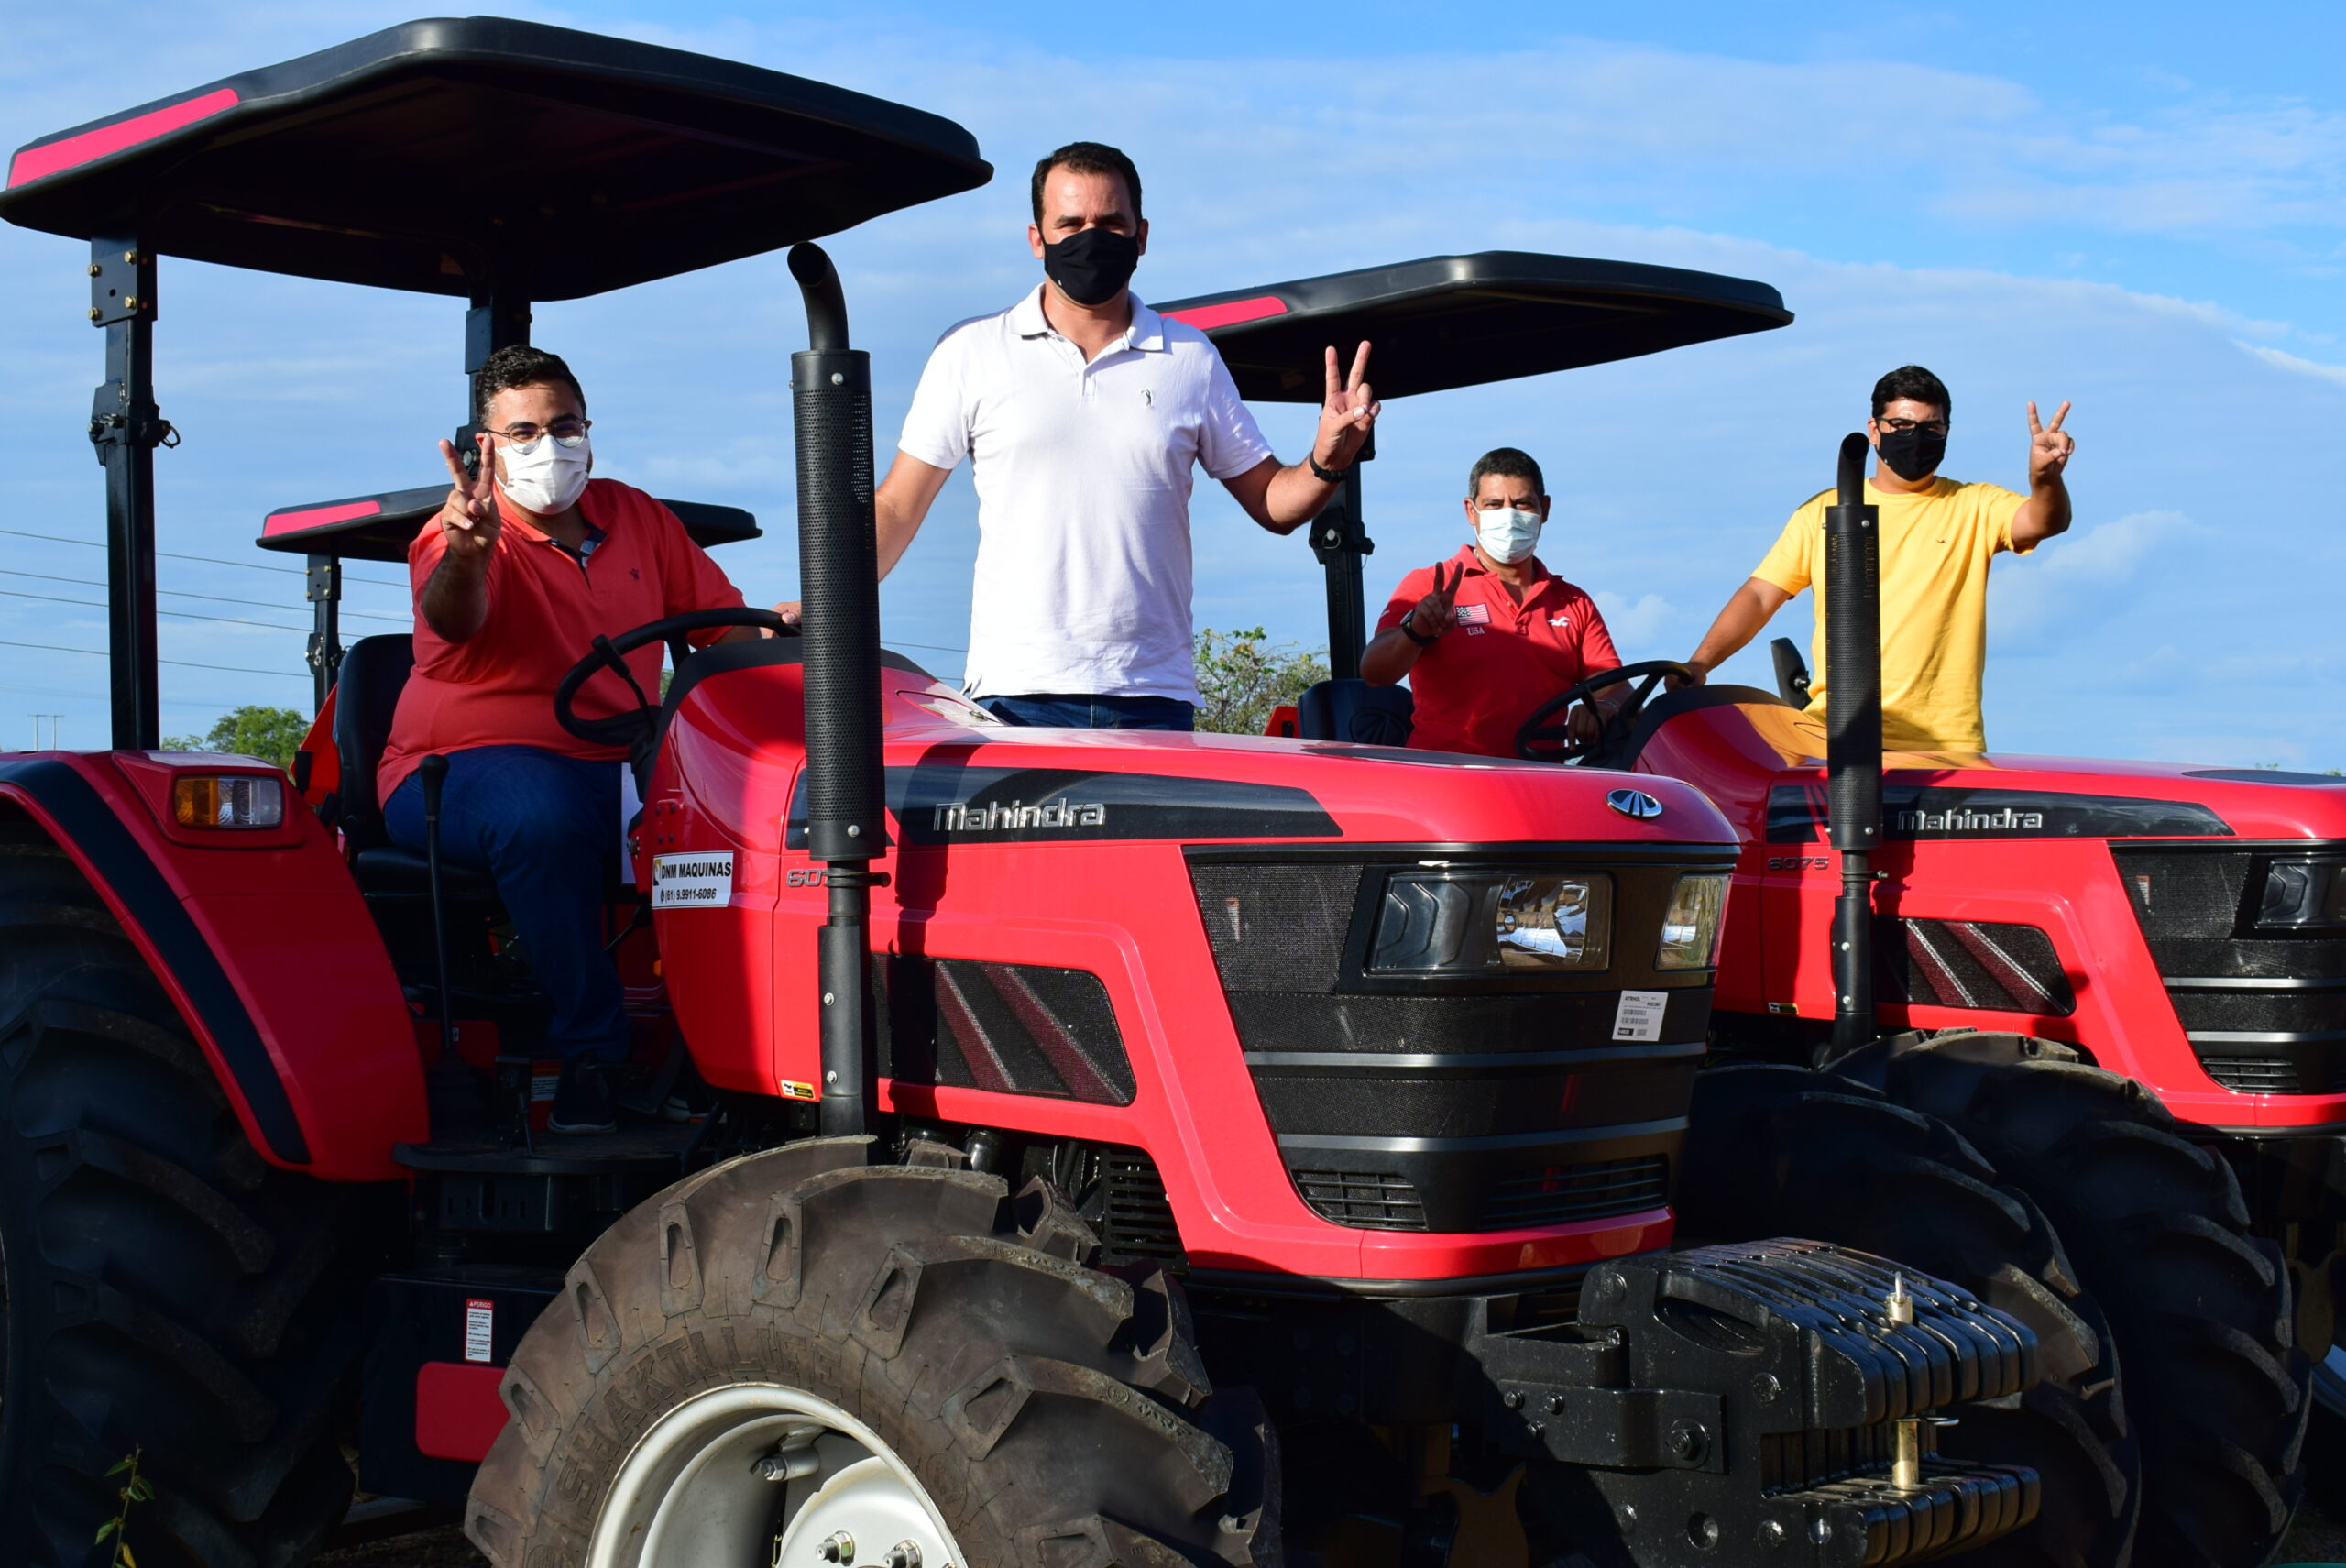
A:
(263, 943)
(1125, 910)
(1998, 840)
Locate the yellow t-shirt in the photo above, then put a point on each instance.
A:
(1935, 546)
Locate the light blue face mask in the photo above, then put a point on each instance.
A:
(1507, 534)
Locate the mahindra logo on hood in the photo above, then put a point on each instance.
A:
(1634, 803)
(961, 817)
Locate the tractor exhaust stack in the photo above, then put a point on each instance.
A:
(1853, 743)
(839, 587)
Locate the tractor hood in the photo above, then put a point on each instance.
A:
(956, 776)
(1763, 763)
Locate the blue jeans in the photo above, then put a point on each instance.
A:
(545, 828)
(1050, 712)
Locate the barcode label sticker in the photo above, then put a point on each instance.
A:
(480, 1329)
(691, 882)
(1639, 1017)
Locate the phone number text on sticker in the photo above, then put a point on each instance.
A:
(691, 882)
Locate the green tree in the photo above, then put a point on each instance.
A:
(272, 734)
(1242, 676)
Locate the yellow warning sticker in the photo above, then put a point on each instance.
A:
(797, 1090)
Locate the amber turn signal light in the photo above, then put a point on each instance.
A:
(227, 800)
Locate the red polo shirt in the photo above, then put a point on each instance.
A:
(545, 609)
(1500, 659)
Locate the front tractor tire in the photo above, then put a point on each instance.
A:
(162, 1291)
(802, 1358)
(2160, 1233)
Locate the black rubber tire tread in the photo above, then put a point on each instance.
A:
(1782, 1151)
(2160, 1233)
(1058, 1416)
(166, 1289)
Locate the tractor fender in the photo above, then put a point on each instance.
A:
(263, 944)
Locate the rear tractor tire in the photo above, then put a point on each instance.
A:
(2160, 1233)
(162, 1291)
(796, 1357)
(1782, 1151)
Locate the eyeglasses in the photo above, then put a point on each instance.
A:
(1936, 426)
(565, 433)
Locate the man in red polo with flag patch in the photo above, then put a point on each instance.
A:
(1488, 635)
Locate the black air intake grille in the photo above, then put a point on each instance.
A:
(1972, 964)
(2265, 1010)
(1567, 1193)
(1007, 1029)
(1136, 1220)
(2274, 1075)
(1367, 1199)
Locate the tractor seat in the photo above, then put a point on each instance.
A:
(374, 672)
(1355, 711)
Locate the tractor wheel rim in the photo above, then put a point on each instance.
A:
(760, 1475)
(2328, 1380)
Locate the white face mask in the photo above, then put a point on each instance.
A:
(1507, 533)
(543, 476)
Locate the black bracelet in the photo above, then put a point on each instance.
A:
(1411, 633)
(1327, 475)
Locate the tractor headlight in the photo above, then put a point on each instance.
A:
(1690, 931)
(2300, 894)
(1488, 923)
(227, 800)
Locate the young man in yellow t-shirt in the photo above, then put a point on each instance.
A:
(1937, 537)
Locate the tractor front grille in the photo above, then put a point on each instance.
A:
(2265, 1010)
(1488, 1104)
(1369, 1199)
(1561, 1195)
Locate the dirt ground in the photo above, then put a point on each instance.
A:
(2315, 1540)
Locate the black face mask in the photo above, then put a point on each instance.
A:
(1093, 265)
(1913, 455)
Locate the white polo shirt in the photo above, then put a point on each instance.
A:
(1083, 475)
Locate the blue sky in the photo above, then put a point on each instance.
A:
(2140, 208)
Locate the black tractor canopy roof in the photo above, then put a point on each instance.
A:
(451, 156)
(1460, 321)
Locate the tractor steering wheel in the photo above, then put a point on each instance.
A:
(638, 729)
(1541, 741)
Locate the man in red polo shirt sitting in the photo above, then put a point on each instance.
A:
(1488, 635)
(526, 564)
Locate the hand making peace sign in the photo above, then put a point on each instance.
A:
(1346, 414)
(469, 521)
(2048, 446)
(1430, 617)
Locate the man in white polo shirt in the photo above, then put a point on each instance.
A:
(1082, 412)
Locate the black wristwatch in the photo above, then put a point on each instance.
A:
(1326, 476)
(1411, 632)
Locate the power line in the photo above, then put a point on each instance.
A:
(182, 663)
(207, 560)
(177, 614)
(183, 593)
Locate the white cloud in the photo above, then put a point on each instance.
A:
(2290, 362)
(1636, 623)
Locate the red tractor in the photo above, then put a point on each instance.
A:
(1126, 1149)
(2122, 983)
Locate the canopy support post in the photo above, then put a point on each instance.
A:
(126, 427)
(324, 593)
(1340, 538)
